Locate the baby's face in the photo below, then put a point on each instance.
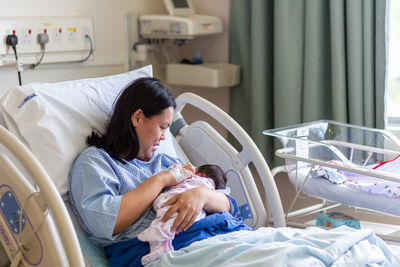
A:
(201, 174)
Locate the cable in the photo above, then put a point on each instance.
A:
(41, 57)
(43, 39)
(90, 49)
(12, 40)
(35, 229)
(24, 240)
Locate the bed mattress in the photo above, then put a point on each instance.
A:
(340, 193)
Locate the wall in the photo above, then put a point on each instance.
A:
(110, 42)
(109, 25)
(213, 48)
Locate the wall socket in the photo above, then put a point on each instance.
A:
(67, 40)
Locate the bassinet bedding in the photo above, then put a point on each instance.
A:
(341, 193)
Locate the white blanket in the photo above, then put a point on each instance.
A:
(313, 246)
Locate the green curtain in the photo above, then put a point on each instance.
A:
(305, 60)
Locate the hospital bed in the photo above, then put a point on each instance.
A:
(316, 151)
(45, 143)
(44, 126)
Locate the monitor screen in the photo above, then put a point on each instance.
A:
(180, 3)
(179, 7)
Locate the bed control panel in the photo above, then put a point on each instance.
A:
(238, 190)
(27, 233)
(14, 228)
(6, 233)
(245, 212)
(12, 212)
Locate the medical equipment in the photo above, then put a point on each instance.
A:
(337, 148)
(169, 27)
(179, 7)
(181, 23)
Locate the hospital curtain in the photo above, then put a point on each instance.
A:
(305, 60)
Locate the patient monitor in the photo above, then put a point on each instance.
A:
(181, 23)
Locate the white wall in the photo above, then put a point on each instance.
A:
(109, 56)
(214, 48)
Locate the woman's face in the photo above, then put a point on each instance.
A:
(151, 131)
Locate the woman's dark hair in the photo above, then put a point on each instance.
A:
(120, 140)
(215, 173)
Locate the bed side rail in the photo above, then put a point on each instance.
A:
(204, 145)
(49, 193)
(250, 152)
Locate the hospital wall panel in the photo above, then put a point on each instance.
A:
(109, 25)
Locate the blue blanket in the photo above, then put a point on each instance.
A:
(130, 253)
(313, 246)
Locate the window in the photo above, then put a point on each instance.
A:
(393, 104)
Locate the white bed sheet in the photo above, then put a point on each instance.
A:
(339, 193)
(313, 246)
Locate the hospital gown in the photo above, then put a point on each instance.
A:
(97, 184)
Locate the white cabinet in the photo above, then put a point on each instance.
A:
(212, 75)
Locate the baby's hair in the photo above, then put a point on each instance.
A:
(214, 172)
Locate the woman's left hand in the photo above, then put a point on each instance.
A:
(188, 166)
(188, 205)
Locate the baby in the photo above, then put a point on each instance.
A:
(158, 234)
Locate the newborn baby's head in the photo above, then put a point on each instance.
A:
(213, 172)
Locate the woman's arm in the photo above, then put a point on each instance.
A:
(135, 202)
(190, 203)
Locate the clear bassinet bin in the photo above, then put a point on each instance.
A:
(365, 161)
(335, 144)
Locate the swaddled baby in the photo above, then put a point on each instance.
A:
(158, 234)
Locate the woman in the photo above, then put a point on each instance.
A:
(114, 181)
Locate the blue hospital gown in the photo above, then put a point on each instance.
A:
(97, 183)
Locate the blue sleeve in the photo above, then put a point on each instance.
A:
(234, 207)
(169, 161)
(94, 195)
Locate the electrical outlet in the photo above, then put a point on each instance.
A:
(86, 31)
(66, 38)
(42, 30)
(57, 35)
(71, 35)
(25, 37)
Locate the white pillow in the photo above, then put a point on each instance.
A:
(54, 119)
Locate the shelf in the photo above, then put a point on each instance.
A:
(213, 75)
